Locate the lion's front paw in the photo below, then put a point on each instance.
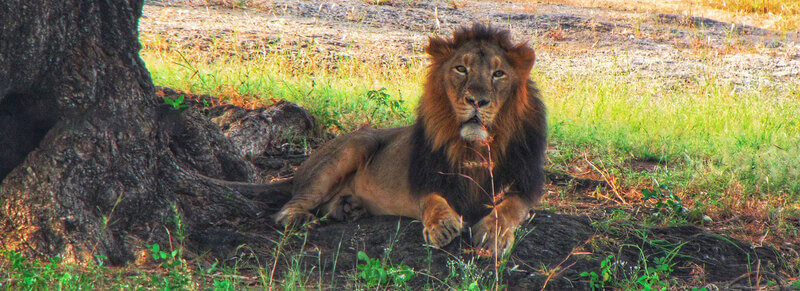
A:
(493, 233)
(295, 218)
(441, 229)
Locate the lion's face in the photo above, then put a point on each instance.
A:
(476, 90)
(478, 80)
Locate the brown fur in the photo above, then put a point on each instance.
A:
(441, 126)
(477, 86)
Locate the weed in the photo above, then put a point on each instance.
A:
(664, 200)
(177, 103)
(655, 276)
(223, 285)
(375, 272)
(384, 100)
(178, 275)
(467, 275)
(598, 281)
(20, 273)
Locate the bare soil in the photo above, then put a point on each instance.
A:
(574, 39)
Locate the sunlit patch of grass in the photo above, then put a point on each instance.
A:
(787, 11)
(787, 7)
(722, 136)
(335, 88)
(781, 15)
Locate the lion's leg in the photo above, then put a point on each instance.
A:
(495, 231)
(324, 175)
(441, 223)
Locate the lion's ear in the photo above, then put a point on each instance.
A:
(438, 48)
(523, 57)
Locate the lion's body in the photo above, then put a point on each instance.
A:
(479, 113)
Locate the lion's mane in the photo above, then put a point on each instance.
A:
(441, 160)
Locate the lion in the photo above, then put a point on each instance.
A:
(473, 157)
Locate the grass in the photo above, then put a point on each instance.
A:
(780, 15)
(726, 150)
(787, 7)
(707, 135)
(720, 150)
(335, 88)
(785, 13)
(717, 149)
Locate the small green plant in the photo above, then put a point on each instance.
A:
(177, 103)
(376, 273)
(167, 258)
(171, 261)
(598, 281)
(654, 277)
(664, 200)
(223, 285)
(467, 275)
(383, 99)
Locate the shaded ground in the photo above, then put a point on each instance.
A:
(553, 249)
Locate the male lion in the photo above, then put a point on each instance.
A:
(479, 109)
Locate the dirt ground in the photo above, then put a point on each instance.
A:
(665, 47)
(575, 39)
(564, 244)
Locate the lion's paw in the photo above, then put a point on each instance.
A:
(441, 230)
(353, 209)
(494, 234)
(295, 219)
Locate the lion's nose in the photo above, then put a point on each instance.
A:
(480, 102)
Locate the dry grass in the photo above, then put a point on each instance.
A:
(781, 15)
(784, 7)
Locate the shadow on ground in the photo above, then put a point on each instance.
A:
(552, 251)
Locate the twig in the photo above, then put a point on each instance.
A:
(106, 220)
(606, 178)
(275, 262)
(496, 218)
(555, 272)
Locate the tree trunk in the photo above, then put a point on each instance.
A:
(91, 165)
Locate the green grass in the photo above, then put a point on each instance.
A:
(705, 133)
(715, 147)
(715, 144)
(334, 88)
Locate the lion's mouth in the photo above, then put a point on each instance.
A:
(475, 119)
(474, 130)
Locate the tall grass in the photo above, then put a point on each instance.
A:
(715, 136)
(335, 88)
(707, 134)
(787, 7)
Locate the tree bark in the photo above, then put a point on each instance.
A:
(91, 165)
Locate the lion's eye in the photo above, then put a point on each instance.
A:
(461, 69)
(498, 74)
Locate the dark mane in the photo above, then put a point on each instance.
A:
(519, 137)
